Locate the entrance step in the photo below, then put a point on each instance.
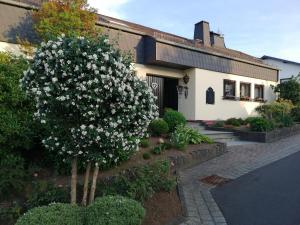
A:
(218, 136)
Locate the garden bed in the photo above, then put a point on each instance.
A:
(264, 137)
(269, 136)
(163, 208)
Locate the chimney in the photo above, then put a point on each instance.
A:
(202, 32)
(217, 40)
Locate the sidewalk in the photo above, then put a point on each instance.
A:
(239, 160)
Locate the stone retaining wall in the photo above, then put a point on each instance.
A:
(204, 153)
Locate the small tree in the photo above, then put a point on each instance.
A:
(290, 90)
(71, 17)
(93, 105)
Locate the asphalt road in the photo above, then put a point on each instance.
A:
(267, 196)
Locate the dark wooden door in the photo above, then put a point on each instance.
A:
(157, 86)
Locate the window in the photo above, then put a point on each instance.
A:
(229, 89)
(259, 92)
(245, 91)
(210, 96)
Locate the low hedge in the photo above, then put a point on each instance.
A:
(114, 210)
(54, 214)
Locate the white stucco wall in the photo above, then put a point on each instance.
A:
(286, 69)
(223, 109)
(12, 48)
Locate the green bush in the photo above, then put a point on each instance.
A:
(114, 210)
(174, 118)
(296, 113)
(146, 156)
(275, 110)
(17, 127)
(286, 121)
(182, 136)
(234, 122)
(44, 193)
(54, 214)
(139, 183)
(12, 174)
(260, 124)
(157, 150)
(219, 123)
(158, 127)
(145, 143)
(8, 216)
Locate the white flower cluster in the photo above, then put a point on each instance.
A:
(89, 98)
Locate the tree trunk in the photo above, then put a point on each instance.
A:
(94, 183)
(86, 184)
(74, 181)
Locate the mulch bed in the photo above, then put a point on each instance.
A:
(162, 208)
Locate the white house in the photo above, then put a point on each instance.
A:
(287, 68)
(199, 77)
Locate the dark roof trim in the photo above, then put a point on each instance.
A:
(19, 4)
(281, 60)
(215, 54)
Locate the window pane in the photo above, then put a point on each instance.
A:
(229, 88)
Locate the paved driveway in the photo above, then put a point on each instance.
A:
(267, 196)
(259, 189)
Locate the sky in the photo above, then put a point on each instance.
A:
(256, 27)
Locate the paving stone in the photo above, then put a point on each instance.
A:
(239, 160)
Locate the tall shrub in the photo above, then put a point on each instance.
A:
(16, 109)
(289, 90)
(91, 102)
(71, 17)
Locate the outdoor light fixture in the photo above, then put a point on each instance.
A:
(186, 79)
(186, 92)
(179, 89)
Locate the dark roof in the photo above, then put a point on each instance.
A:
(177, 39)
(281, 60)
(111, 22)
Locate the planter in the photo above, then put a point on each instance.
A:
(271, 136)
(264, 137)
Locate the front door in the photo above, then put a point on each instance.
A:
(165, 90)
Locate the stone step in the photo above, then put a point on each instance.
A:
(218, 136)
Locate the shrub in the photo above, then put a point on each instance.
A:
(93, 105)
(275, 110)
(114, 210)
(12, 174)
(8, 216)
(286, 121)
(145, 143)
(44, 193)
(17, 128)
(146, 156)
(54, 214)
(140, 183)
(158, 127)
(296, 113)
(290, 89)
(174, 118)
(234, 122)
(219, 123)
(248, 120)
(157, 150)
(260, 124)
(183, 136)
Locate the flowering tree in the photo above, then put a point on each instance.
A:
(91, 102)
